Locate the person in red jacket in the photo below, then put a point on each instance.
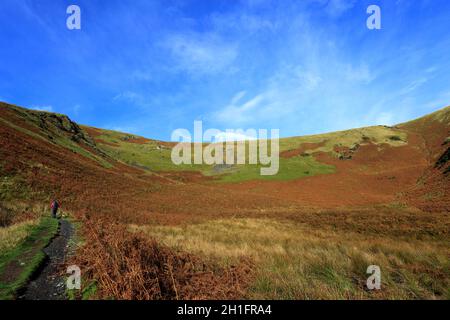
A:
(55, 207)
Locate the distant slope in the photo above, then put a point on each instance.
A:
(434, 130)
(297, 153)
(155, 156)
(419, 142)
(147, 154)
(377, 163)
(432, 191)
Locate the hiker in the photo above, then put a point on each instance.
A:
(55, 207)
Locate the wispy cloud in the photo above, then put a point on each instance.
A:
(200, 54)
(224, 136)
(412, 86)
(76, 109)
(133, 98)
(360, 74)
(285, 92)
(28, 8)
(335, 8)
(237, 97)
(302, 66)
(234, 113)
(243, 22)
(46, 108)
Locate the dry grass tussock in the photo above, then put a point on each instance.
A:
(13, 235)
(298, 262)
(130, 266)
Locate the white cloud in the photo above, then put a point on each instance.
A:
(412, 86)
(384, 118)
(310, 81)
(236, 114)
(431, 69)
(335, 8)
(134, 98)
(359, 74)
(282, 95)
(238, 97)
(76, 109)
(29, 9)
(441, 100)
(224, 136)
(243, 22)
(46, 108)
(201, 54)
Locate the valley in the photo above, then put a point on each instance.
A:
(340, 202)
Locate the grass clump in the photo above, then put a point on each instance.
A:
(12, 187)
(87, 292)
(11, 236)
(395, 138)
(6, 217)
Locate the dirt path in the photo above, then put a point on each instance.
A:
(47, 283)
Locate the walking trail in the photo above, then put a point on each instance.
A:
(48, 283)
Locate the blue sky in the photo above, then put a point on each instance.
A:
(149, 67)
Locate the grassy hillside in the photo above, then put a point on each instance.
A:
(351, 139)
(434, 129)
(356, 203)
(151, 155)
(300, 156)
(432, 190)
(54, 128)
(297, 154)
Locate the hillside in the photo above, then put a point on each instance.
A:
(379, 164)
(432, 190)
(298, 154)
(342, 200)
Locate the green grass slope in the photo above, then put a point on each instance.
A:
(298, 154)
(151, 155)
(155, 155)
